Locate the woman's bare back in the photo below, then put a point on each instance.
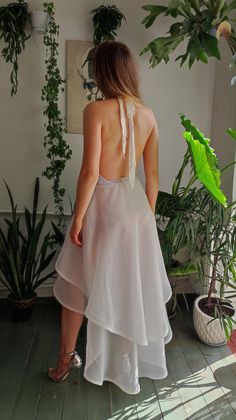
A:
(112, 163)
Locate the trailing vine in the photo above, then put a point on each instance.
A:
(58, 151)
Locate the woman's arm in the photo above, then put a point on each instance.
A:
(89, 171)
(150, 161)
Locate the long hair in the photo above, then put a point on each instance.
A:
(115, 71)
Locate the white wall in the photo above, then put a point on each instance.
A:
(167, 89)
(223, 117)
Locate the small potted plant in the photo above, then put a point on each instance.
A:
(39, 21)
(13, 22)
(24, 257)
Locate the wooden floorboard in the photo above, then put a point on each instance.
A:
(201, 381)
(16, 342)
(210, 389)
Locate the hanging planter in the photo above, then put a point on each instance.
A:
(39, 22)
(13, 22)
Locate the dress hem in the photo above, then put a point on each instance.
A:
(107, 378)
(100, 324)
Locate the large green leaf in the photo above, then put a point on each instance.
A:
(210, 45)
(198, 135)
(205, 168)
(154, 11)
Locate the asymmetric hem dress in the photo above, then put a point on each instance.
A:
(117, 279)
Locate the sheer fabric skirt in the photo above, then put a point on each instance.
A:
(118, 280)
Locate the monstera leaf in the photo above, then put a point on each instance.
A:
(204, 164)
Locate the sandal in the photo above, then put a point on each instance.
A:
(74, 362)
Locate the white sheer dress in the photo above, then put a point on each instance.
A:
(118, 279)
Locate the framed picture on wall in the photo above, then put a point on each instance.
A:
(80, 86)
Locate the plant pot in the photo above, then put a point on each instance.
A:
(21, 309)
(39, 21)
(212, 334)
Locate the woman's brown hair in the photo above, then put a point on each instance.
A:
(115, 71)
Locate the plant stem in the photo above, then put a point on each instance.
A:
(191, 181)
(179, 176)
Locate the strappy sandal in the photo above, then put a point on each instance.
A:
(75, 362)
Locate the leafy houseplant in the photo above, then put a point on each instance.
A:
(13, 20)
(22, 259)
(196, 218)
(215, 239)
(178, 212)
(58, 151)
(218, 243)
(198, 21)
(106, 21)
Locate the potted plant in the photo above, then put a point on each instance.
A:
(24, 257)
(215, 241)
(214, 315)
(13, 20)
(39, 21)
(106, 21)
(177, 213)
(200, 22)
(186, 212)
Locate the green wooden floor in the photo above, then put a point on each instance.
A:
(201, 383)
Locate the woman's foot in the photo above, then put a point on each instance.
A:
(65, 362)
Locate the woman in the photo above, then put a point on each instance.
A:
(110, 267)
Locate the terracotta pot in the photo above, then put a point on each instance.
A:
(212, 334)
(21, 309)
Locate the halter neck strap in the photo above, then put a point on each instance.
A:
(130, 109)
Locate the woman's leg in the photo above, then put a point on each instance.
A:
(70, 325)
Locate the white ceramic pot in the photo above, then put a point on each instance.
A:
(39, 21)
(211, 334)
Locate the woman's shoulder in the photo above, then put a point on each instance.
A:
(106, 105)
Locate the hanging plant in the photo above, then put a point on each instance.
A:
(106, 21)
(13, 20)
(201, 22)
(58, 151)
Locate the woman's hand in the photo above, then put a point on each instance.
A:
(76, 233)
